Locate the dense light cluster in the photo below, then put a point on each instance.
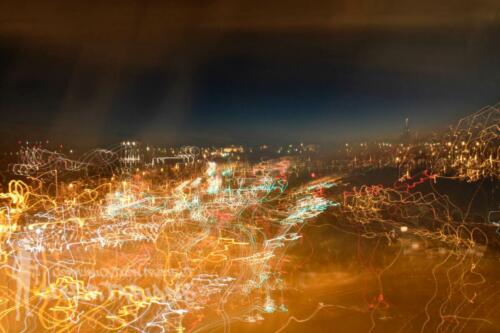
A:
(133, 253)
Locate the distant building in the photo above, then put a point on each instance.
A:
(406, 137)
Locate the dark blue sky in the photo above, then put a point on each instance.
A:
(229, 71)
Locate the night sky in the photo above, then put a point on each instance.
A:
(218, 72)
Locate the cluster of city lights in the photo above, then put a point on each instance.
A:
(140, 252)
(130, 239)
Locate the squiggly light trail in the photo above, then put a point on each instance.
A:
(138, 253)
